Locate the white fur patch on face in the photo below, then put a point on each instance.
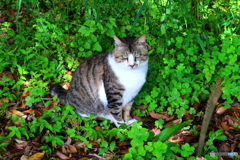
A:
(131, 60)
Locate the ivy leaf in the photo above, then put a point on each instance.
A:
(112, 145)
(149, 146)
(138, 135)
(152, 106)
(179, 40)
(155, 92)
(219, 132)
(148, 99)
(141, 151)
(104, 143)
(21, 70)
(187, 150)
(180, 111)
(102, 151)
(222, 138)
(97, 47)
(159, 149)
(87, 45)
(163, 29)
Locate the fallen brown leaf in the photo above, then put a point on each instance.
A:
(228, 134)
(61, 155)
(69, 73)
(28, 149)
(25, 94)
(176, 140)
(64, 151)
(21, 145)
(164, 116)
(108, 155)
(225, 147)
(4, 100)
(80, 144)
(143, 119)
(97, 128)
(36, 156)
(84, 158)
(69, 140)
(124, 143)
(51, 106)
(71, 149)
(7, 74)
(220, 110)
(66, 85)
(36, 112)
(156, 131)
(14, 111)
(225, 125)
(24, 157)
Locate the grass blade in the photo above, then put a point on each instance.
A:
(168, 132)
(138, 15)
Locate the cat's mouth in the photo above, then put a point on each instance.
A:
(133, 66)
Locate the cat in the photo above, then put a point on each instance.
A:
(106, 84)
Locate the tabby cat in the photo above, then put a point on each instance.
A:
(106, 84)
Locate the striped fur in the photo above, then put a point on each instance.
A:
(106, 84)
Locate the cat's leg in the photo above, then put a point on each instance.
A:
(114, 94)
(115, 106)
(126, 114)
(115, 115)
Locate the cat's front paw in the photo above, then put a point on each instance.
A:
(117, 123)
(131, 121)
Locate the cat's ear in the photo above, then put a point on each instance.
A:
(142, 40)
(117, 41)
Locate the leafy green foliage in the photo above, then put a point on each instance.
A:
(147, 146)
(138, 134)
(186, 150)
(2, 148)
(7, 86)
(214, 136)
(217, 135)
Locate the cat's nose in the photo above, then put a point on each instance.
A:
(132, 66)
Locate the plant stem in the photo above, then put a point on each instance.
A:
(212, 101)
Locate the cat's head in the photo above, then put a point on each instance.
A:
(130, 51)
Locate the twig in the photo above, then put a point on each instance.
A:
(95, 155)
(211, 103)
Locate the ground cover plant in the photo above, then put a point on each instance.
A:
(194, 53)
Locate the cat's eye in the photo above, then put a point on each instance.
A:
(137, 56)
(124, 57)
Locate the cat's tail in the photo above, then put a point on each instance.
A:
(59, 91)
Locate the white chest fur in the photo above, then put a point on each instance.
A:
(131, 78)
